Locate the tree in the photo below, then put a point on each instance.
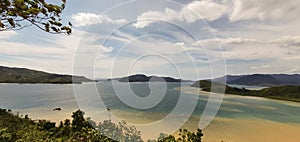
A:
(78, 121)
(184, 136)
(187, 136)
(119, 131)
(18, 14)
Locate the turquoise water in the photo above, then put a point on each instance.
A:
(40, 99)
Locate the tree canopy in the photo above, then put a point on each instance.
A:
(18, 14)
(23, 129)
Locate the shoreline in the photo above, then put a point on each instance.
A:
(220, 129)
(241, 96)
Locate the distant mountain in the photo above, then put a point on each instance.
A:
(262, 79)
(144, 78)
(288, 79)
(256, 79)
(23, 75)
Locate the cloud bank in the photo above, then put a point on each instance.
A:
(86, 19)
(233, 10)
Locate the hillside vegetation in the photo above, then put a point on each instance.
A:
(23, 75)
(262, 79)
(290, 93)
(14, 128)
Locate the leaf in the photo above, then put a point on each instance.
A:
(63, 6)
(9, 13)
(52, 22)
(58, 24)
(70, 24)
(69, 31)
(34, 11)
(44, 11)
(54, 29)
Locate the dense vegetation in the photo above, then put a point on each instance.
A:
(262, 79)
(14, 128)
(291, 93)
(22, 75)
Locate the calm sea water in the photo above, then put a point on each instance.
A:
(38, 100)
(248, 87)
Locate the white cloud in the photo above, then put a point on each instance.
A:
(287, 41)
(196, 10)
(240, 41)
(263, 9)
(237, 40)
(207, 9)
(106, 49)
(234, 10)
(150, 17)
(85, 19)
(50, 57)
(254, 54)
(262, 67)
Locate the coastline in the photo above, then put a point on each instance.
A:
(189, 89)
(226, 129)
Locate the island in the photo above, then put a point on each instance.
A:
(57, 109)
(24, 75)
(144, 78)
(286, 92)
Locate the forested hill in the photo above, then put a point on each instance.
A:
(23, 75)
(262, 79)
(144, 78)
(288, 92)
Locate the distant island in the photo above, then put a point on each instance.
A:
(144, 78)
(261, 79)
(23, 75)
(288, 92)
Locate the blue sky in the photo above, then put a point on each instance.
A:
(187, 39)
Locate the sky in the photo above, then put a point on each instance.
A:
(183, 39)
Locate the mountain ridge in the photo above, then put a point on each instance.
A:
(24, 75)
(261, 79)
(144, 78)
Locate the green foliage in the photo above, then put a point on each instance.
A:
(78, 122)
(16, 129)
(90, 135)
(17, 14)
(13, 128)
(184, 136)
(290, 93)
(120, 131)
(5, 136)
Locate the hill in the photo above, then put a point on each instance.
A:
(262, 79)
(144, 78)
(289, 92)
(257, 79)
(23, 75)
